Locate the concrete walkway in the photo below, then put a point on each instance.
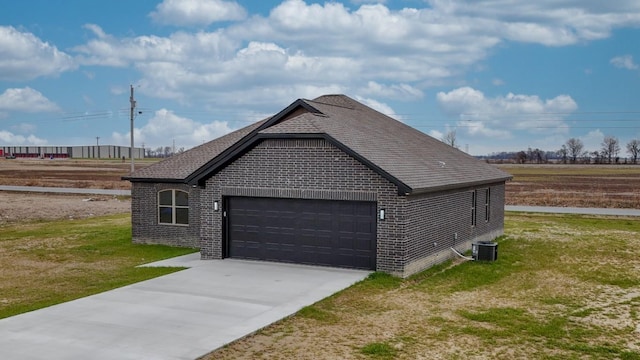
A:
(183, 315)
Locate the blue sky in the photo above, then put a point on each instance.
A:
(505, 74)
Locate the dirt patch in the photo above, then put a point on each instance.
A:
(20, 207)
(97, 174)
(601, 186)
(73, 173)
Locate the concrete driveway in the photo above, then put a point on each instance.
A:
(183, 315)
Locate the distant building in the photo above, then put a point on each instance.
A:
(75, 152)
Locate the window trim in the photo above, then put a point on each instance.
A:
(173, 207)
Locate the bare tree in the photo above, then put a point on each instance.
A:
(563, 153)
(610, 148)
(538, 156)
(576, 149)
(597, 156)
(450, 138)
(633, 148)
(530, 154)
(521, 157)
(167, 151)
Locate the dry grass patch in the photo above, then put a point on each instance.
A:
(26, 207)
(79, 173)
(564, 287)
(45, 263)
(604, 186)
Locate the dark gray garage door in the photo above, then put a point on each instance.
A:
(317, 232)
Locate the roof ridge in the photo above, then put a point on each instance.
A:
(352, 107)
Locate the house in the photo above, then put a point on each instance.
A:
(327, 181)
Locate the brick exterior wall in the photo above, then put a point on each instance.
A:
(418, 230)
(144, 217)
(440, 221)
(304, 168)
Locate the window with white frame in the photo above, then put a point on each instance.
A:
(173, 207)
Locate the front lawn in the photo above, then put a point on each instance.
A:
(45, 263)
(564, 287)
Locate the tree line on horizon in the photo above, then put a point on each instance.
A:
(162, 151)
(571, 152)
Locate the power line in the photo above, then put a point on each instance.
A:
(561, 113)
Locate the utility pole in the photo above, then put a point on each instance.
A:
(133, 109)
(98, 145)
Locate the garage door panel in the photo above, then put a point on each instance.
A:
(362, 244)
(364, 227)
(319, 232)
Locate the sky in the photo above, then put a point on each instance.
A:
(505, 75)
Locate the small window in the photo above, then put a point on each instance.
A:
(474, 203)
(487, 205)
(173, 207)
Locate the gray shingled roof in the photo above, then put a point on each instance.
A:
(401, 152)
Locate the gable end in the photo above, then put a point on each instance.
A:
(211, 166)
(403, 189)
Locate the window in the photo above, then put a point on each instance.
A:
(173, 207)
(474, 203)
(487, 203)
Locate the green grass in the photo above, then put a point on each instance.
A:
(379, 350)
(312, 312)
(46, 263)
(563, 287)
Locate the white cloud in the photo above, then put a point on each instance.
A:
(403, 92)
(483, 129)
(624, 62)
(379, 106)
(436, 134)
(26, 57)
(321, 46)
(165, 127)
(547, 22)
(592, 140)
(500, 116)
(25, 100)
(96, 30)
(368, 1)
(10, 138)
(371, 51)
(199, 50)
(197, 12)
